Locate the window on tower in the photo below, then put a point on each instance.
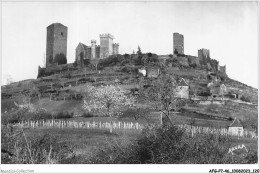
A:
(61, 33)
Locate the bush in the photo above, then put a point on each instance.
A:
(63, 115)
(41, 149)
(167, 145)
(20, 115)
(60, 59)
(88, 114)
(245, 99)
(135, 113)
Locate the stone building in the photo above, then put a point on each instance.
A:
(203, 55)
(178, 43)
(183, 89)
(56, 42)
(115, 48)
(105, 49)
(236, 128)
(106, 45)
(82, 52)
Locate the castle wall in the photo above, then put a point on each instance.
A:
(203, 55)
(115, 48)
(93, 49)
(98, 52)
(178, 43)
(81, 52)
(56, 42)
(193, 61)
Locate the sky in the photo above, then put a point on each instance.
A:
(227, 29)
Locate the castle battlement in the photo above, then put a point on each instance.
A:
(93, 41)
(106, 35)
(116, 44)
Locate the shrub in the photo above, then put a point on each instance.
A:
(41, 149)
(245, 99)
(64, 115)
(88, 114)
(135, 113)
(60, 59)
(167, 145)
(20, 115)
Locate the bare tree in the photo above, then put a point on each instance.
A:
(162, 95)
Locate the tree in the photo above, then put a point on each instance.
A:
(175, 51)
(95, 62)
(60, 59)
(9, 79)
(111, 98)
(139, 52)
(162, 95)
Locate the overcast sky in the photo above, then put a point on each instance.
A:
(227, 29)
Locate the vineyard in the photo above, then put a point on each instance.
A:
(127, 125)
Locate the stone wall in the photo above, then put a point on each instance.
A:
(193, 61)
(115, 48)
(203, 55)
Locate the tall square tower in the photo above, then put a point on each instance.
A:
(178, 43)
(56, 42)
(106, 45)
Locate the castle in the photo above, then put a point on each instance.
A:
(104, 50)
(203, 58)
(56, 52)
(56, 47)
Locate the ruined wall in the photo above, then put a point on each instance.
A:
(178, 43)
(222, 69)
(81, 52)
(56, 42)
(193, 61)
(203, 55)
(115, 48)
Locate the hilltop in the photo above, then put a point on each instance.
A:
(63, 87)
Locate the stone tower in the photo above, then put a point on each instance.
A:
(178, 43)
(203, 55)
(93, 49)
(56, 42)
(115, 48)
(106, 45)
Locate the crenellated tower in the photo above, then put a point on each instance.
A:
(106, 45)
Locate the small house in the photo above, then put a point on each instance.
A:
(142, 71)
(236, 128)
(183, 89)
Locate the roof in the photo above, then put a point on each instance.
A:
(56, 24)
(183, 83)
(236, 123)
(85, 47)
